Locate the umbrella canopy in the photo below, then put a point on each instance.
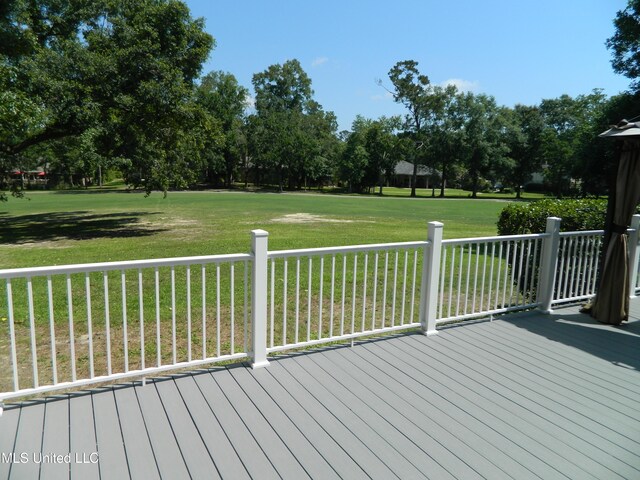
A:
(611, 304)
(623, 129)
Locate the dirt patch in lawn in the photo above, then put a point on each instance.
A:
(312, 218)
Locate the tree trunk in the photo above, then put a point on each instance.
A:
(414, 176)
(228, 163)
(246, 171)
(444, 178)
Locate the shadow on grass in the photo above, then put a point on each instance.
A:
(422, 194)
(95, 190)
(80, 225)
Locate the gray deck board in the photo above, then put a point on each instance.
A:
(222, 453)
(525, 396)
(413, 451)
(314, 463)
(433, 419)
(592, 339)
(82, 437)
(279, 453)
(196, 456)
(533, 421)
(55, 439)
(562, 377)
(8, 429)
(569, 355)
(423, 440)
(303, 414)
(491, 424)
(28, 442)
(141, 461)
(598, 372)
(356, 436)
(166, 450)
(566, 398)
(536, 408)
(239, 435)
(545, 393)
(361, 441)
(113, 459)
(508, 334)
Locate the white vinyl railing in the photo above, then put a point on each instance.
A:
(577, 270)
(485, 276)
(80, 324)
(76, 325)
(329, 294)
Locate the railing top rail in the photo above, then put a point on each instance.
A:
(500, 238)
(133, 264)
(347, 249)
(582, 233)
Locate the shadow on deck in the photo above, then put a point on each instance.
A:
(524, 396)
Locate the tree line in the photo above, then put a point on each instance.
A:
(95, 86)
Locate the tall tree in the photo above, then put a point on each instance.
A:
(523, 137)
(289, 128)
(411, 89)
(377, 139)
(282, 88)
(597, 158)
(355, 158)
(443, 122)
(382, 145)
(566, 121)
(482, 146)
(125, 69)
(625, 44)
(221, 96)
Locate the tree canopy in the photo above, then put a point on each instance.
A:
(88, 86)
(625, 43)
(121, 70)
(292, 135)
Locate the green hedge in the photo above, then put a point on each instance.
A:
(576, 214)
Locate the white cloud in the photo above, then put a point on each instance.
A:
(462, 85)
(249, 102)
(382, 97)
(319, 61)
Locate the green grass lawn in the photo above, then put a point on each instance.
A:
(55, 228)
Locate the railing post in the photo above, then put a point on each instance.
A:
(634, 255)
(548, 265)
(259, 249)
(430, 278)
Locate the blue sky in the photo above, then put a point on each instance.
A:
(519, 51)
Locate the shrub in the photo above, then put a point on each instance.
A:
(576, 214)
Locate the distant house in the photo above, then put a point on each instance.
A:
(403, 172)
(29, 178)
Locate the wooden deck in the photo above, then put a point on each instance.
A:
(525, 396)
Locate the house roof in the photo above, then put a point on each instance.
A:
(406, 168)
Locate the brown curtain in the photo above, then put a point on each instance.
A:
(611, 304)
